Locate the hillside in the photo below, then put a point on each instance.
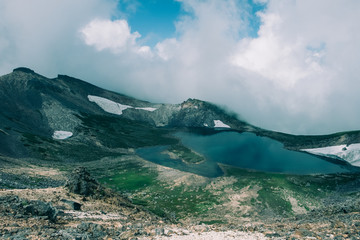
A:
(49, 127)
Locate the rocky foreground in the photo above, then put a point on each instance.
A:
(83, 209)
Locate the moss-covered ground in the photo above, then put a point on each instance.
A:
(275, 194)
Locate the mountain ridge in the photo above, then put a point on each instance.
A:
(29, 98)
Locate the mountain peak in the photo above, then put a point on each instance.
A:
(24, 70)
(192, 103)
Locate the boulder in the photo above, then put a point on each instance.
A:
(73, 205)
(40, 208)
(81, 182)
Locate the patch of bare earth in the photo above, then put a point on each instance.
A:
(176, 177)
(36, 171)
(235, 205)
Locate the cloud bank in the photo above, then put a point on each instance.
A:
(299, 74)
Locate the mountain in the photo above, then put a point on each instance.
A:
(35, 106)
(48, 127)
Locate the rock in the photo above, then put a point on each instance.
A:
(126, 235)
(40, 208)
(201, 228)
(159, 231)
(272, 234)
(138, 226)
(94, 230)
(74, 205)
(185, 232)
(168, 232)
(81, 182)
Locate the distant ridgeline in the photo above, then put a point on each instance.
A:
(60, 76)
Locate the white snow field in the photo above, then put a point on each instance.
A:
(114, 107)
(108, 105)
(220, 124)
(60, 135)
(349, 153)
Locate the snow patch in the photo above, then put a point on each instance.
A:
(108, 105)
(220, 124)
(60, 135)
(150, 109)
(349, 153)
(114, 107)
(206, 125)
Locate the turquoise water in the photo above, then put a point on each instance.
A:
(245, 150)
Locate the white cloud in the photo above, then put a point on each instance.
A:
(43, 34)
(167, 48)
(107, 34)
(145, 51)
(300, 52)
(300, 74)
(268, 56)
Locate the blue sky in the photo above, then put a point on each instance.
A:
(254, 19)
(155, 19)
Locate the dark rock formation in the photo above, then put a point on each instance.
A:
(22, 208)
(76, 206)
(81, 182)
(40, 208)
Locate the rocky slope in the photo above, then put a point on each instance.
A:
(83, 209)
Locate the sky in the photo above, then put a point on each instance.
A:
(284, 65)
